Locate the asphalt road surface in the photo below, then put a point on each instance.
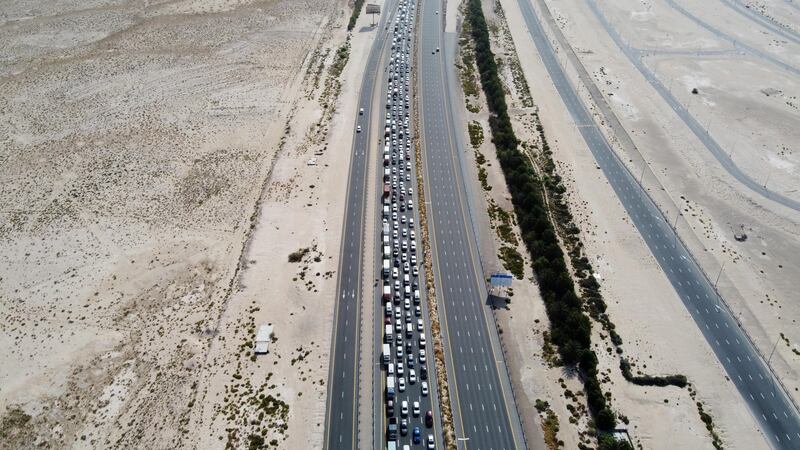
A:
(484, 414)
(403, 166)
(771, 407)
(341, 421)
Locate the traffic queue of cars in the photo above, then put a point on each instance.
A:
(404, 344)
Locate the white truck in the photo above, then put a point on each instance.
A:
(387, 353)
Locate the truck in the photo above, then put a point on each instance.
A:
(387, 251)
(387, 337)
(391, 445)
(387, 353)
(387, 174)
(386, 211)
(386, 190)
(387, 268)
(390, 387)
(386, 229)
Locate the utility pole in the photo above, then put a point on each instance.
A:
(719, 275)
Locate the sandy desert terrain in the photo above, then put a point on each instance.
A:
(150, 155)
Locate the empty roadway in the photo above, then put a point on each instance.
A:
(341, 420)
(484, 415)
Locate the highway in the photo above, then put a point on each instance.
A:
(768, 402)
(483, 409)
(341, 420)
(397, 231)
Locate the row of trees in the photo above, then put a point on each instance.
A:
(570, 327)
(358, 4)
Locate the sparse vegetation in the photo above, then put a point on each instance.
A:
(297, 256)
(648, 380)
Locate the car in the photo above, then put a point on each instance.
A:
(391, 431)
(419, 325)
(429, 419)
(400, 369)
(417, 435)
(408, 316)
(389, 407)
(416, 409)
(401, 384)
(406, 304)
(387, 320)
(395, 272)
(417, 309)
(361, 111)
(410, 360)
(404, 427)
(423, 372)
(415, 271)
(437, 49)
(424, 388)
(422, 355)
(390, 369)
(397, 313)
(399, 351)
(404, 408)
(412, 376)
(358, 129)
(431, 445)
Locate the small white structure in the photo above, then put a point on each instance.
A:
(263, 338)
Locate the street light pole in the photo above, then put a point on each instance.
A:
(719, 275)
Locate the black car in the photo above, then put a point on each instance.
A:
(390, 408)
(428, 419)
(423, 372)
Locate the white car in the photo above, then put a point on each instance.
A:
(358, 129)
(404, 409)
(395, 272)
(401, 384)
(406, 304)
(412, 376)
(416, 409)
(424, 388)
(421, 359)
(419, 325)
(400, 369)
